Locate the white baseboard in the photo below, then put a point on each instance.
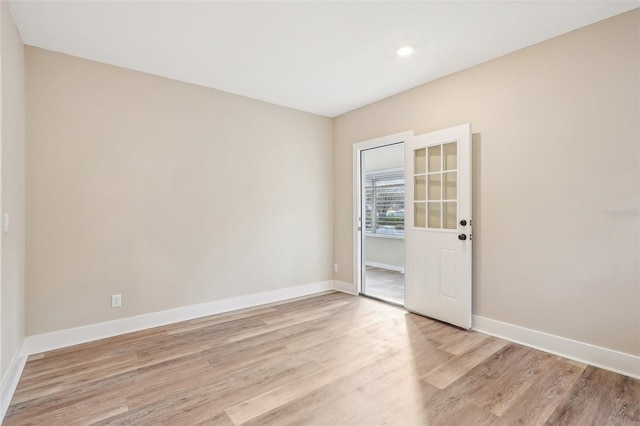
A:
(345, 287)
(618, 362)
(10, 381)
(74, 336)
(385, 266)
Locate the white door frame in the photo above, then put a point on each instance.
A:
(357, 196)
(3, 409)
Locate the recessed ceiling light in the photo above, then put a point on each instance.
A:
(405, 50)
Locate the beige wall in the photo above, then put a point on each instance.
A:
(556, 138)
(173, 194)
(168, 193)
(12, 142)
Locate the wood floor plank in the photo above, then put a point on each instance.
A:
(79, 411)
(356, 357)
(364, 391)
(332, 359)
(209, 321)
(505, 391)
(63, 378)
(456, 397)
(457, 367)
(396, 398)
(537, 404)
(463, 343)
(600, 397)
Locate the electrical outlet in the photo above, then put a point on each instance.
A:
(335, 267)
(116, 300)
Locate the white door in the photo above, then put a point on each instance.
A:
(438, 225)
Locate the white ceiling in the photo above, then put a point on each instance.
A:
(322, 57)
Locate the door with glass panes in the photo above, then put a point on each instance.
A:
(438, 225)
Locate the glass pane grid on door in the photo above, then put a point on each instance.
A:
(436, 186)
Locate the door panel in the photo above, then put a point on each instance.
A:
(438, 225)
(448, 273)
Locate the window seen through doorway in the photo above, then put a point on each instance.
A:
(384, 202)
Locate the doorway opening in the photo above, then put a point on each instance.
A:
(435, 239)
(380, 215)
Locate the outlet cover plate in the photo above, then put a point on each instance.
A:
(116, 300)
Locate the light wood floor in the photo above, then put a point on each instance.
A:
(384, 284)
(332, 359)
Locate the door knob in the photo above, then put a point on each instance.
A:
(462, 237)
(463, 222)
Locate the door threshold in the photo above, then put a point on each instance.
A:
(383, 299)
